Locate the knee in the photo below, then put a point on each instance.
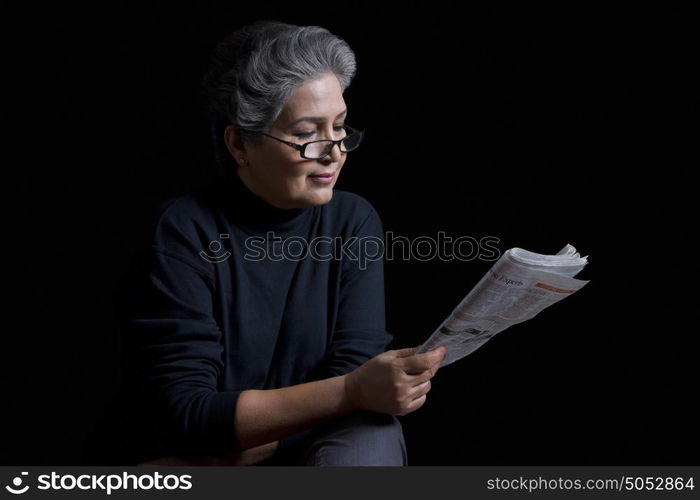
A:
(364, 438)
(380, 427)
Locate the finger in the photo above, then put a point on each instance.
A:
(408, 351)
(418, 363)
(415, 404)
(420, 390)
(420, 378)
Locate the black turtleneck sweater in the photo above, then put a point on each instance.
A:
(232, 293)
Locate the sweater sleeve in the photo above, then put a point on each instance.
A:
(360, 328)
(177, 352)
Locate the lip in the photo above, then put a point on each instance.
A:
(323, 178)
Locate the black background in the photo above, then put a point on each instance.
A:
(538, 127)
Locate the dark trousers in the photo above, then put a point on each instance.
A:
(359, 439)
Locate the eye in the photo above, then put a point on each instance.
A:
(306, 135)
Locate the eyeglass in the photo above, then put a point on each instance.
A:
(315, 150)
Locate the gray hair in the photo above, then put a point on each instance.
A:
(255, 69)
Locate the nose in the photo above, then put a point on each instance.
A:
(334, 155)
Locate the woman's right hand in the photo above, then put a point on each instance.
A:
(394, 382)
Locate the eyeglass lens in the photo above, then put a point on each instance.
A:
(322, 148)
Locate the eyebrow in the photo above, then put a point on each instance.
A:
(316, 118)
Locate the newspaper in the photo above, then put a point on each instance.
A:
(518, 286)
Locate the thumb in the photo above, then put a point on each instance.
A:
(408, 351)
(438, 354)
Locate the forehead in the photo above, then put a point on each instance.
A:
(322, 97)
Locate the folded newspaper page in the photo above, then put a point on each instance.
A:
(518, 286)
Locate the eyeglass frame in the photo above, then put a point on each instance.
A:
(302, 147)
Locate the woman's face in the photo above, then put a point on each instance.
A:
(275, 171)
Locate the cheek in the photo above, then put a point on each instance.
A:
(282, 170)
(292, 179)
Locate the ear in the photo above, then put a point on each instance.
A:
(234, 144)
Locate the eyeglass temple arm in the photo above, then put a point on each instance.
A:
(292, 144)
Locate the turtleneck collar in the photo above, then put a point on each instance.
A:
(256, 215)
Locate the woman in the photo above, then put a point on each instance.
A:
(248, 346)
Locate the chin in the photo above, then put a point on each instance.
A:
(323, 198)
(318, 198)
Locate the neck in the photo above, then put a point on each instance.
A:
(249, 183)
(255, 213)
